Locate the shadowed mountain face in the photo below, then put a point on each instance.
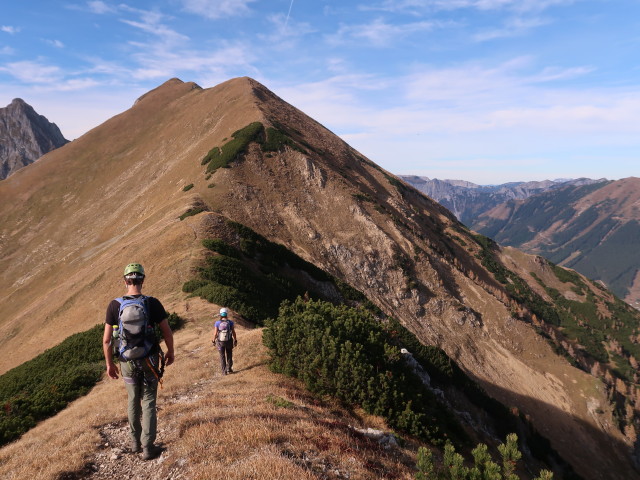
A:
(24, 137)
(236, 151)
(593, 229)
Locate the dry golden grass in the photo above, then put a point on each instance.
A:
(253, 424)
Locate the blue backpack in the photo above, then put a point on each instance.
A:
(137, 335)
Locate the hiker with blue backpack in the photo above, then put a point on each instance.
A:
(130, 338)
(224, 337)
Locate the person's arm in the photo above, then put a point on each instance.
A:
(112, 368)
(167, 334)
(215, 334)
(233, 334)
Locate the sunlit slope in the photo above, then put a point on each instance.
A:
(69, 223)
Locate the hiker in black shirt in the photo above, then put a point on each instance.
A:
(142, 372)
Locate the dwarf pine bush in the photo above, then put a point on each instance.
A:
(46, 384)
(343, 352)
(455, 467)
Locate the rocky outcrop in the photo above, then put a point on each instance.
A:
(24, 137)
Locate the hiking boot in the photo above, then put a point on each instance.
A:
(134, 446)
(230, 370)
(151, 452)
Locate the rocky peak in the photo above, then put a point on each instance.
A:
(24, 136)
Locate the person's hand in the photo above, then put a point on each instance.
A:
(235, 342)
(169, 358)
(112, 371)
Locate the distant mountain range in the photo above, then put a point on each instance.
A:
(589, 225)
(24, 137)
(467, 201)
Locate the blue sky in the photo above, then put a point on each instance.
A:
(488, 91)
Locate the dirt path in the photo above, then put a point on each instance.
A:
(114, 459)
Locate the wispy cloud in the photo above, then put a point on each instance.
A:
(422, 6)
(55, 43)
(99, 7)
(9, 29)
(42, 76)
(6, 50)
(285, 30)
(215, 9)
(378, 33)
(513, 27)
(32, 72)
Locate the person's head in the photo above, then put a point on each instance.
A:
(134, 274)
(223, 312)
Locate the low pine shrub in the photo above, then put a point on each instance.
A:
(220, 157)
(344, 352)
(191, 212)
(41, 387)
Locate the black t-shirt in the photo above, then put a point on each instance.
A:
(157, 313)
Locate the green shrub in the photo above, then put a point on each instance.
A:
(217, 245)
(343, 352)
(220, 157)
(253, 281)
(46, 384)
(191, 212)
(186, 188)
(280, 402)
(484, 467)
(277, 140)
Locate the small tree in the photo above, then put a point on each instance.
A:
(426, 469)
(510, 456)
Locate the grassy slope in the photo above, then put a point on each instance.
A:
(253, 424)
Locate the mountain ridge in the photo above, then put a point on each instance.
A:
(115, 195)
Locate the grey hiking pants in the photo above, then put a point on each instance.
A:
(225, 349)
(142, 388)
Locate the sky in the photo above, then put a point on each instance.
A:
(488, 91)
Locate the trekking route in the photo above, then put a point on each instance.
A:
(114, 459)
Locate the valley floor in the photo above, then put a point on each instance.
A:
(253, 424)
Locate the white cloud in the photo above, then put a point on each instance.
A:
(9, 29)
(159, 62)
(215, 9)
(378, 33)
(513, 27)
(32, 72)
(422, 6)
(100, 7)
(285, 31)
(7, 51)
(55, 43)
(150, 25)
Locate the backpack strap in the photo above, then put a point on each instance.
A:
(142, 298)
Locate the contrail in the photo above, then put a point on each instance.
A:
(287, 20)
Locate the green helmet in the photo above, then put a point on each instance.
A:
(134, 268)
